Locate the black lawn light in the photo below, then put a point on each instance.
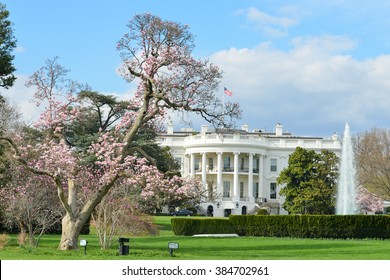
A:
(123, 249)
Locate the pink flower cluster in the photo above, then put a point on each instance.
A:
(55, 157)
(57, 115)
(368, 202)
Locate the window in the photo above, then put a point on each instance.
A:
(242, 164)
(272, 191)
(256, 164)
(226, 163)
(210, 189)
(178, 160)
(226, 188)
(273, 165)
(211, 164)
(241, 189)
(197, 161)
(256, 190)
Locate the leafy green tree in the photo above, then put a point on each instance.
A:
(7, 45)
(164, 160)
(97, 114)
(100, 113)
(310, 180)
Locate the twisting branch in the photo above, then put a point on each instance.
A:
(90, 205)
(56, 178)
(142, 152)
(18, 157)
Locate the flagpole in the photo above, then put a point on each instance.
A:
(223, 106)
(228, 92)
(223, 99)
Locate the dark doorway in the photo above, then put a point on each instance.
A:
(243, 210)
(227, 212)
(210, 211)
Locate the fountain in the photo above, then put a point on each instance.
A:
(346, 189)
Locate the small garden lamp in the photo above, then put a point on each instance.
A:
(172, 246)
(83, 243)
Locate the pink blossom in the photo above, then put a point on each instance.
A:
(368, 202)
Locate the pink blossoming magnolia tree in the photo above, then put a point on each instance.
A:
(174, 192)
(117, 213)
(30, 203)
(157, 55)
(368, 202)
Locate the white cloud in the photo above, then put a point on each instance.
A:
(325, 43)
(260, 17)
(313, 88)
(20, 49)
(272, 25)
(21, 96)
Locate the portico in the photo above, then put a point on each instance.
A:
(233, 175)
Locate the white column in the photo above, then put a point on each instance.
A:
(236, 186)
(261, 174)
(250, 179)
(219, 174)
(192, 165)
(204, 181)
(186, 165)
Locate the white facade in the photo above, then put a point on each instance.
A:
(238, 167)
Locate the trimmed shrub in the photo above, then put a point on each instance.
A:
(313, 226)
(191, 226)
(262, 212)
(298, 226)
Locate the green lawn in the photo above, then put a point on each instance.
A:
(213, 248)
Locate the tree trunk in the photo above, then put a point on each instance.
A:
(23, 234)
(71, 227)
(70, 233)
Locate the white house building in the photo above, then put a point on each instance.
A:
(239, 168)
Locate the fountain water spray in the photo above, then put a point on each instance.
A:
(346, 191)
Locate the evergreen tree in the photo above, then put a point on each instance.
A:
(310, 180)
(7, 45)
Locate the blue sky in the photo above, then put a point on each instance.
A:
(310, 65)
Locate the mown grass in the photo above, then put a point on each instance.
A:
(205, 248)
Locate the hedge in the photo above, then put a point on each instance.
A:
(298, 226)
(191, 226)
(313, 226)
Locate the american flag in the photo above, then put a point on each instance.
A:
(228, 92)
